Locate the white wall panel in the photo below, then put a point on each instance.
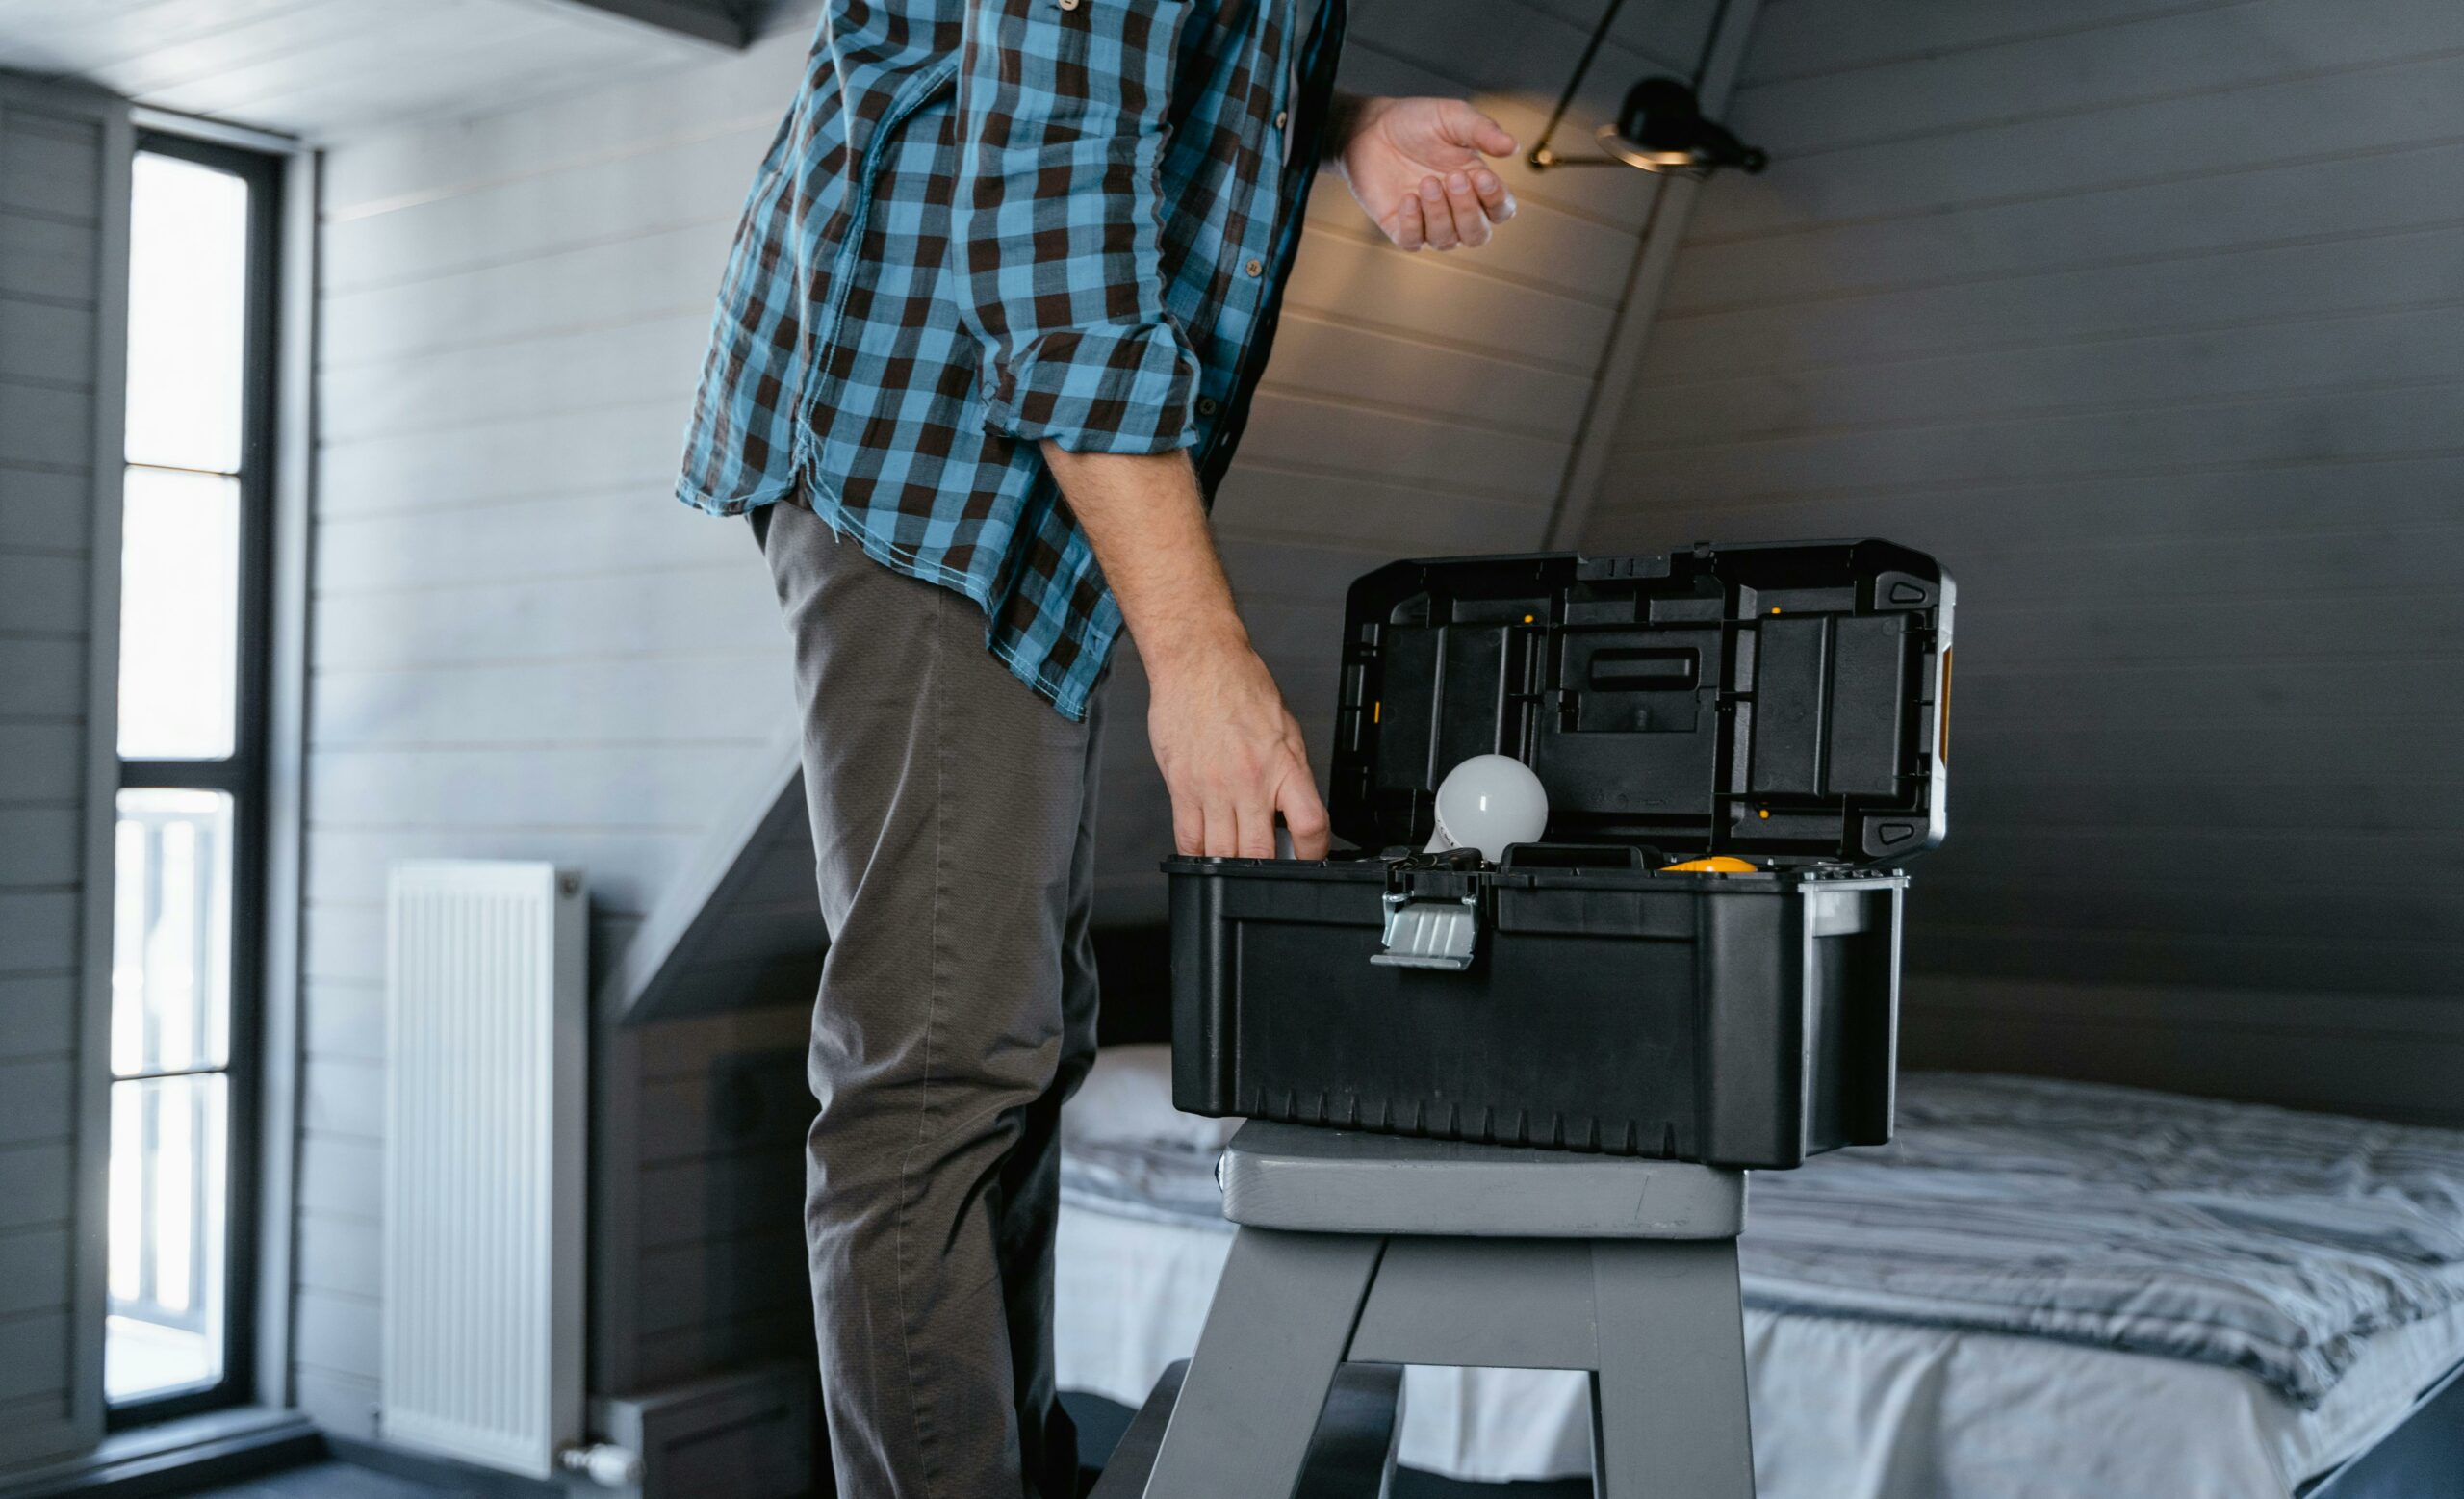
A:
(64, 216)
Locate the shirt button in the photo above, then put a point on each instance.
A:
(1208, 405)
(1255, 267)
(1282, 117)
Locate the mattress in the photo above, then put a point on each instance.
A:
(1846, 1407)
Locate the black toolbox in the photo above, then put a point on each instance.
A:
(1778, 704)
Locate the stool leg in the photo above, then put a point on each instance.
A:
(1282, 1317)
(1668, 1408)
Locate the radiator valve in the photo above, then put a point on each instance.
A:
(605, 1464)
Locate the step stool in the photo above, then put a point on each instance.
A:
(1378, 1250)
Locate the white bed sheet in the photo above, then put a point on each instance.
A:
(1842, 1410)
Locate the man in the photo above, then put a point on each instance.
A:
(1006, 282)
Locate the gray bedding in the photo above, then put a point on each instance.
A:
(2228, 1233)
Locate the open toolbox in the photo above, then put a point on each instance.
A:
(1777, 705)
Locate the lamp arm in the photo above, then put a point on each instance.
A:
(1542, 158)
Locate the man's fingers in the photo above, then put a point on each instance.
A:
(1471, 219)
(1222, 831)
(1495, 201)
(1256, 835)
(1189, 827)
(1410, 232)
(1479, 132)
(1303, 815)
(1436, 216)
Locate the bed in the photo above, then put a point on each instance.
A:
(2043, 1290)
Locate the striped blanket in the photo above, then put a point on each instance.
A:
(2256, 1239)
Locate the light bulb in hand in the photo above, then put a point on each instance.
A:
(1489, 802)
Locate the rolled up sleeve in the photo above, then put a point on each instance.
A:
(1057, 223)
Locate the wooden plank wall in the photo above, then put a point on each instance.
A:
(2144, 319)
(59, 501)
(524, 648)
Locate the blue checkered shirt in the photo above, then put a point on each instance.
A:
(988, 223)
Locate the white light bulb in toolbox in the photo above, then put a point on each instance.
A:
(1489, 802)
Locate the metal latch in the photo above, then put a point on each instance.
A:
(1429, 933)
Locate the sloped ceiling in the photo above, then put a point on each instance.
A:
(328, 68)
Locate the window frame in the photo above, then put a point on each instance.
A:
(242, 775)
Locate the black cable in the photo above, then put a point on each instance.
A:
(1710, 44)
(1540, 152)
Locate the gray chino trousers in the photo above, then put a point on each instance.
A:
(952, 813)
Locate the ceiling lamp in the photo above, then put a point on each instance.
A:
(1661, 129)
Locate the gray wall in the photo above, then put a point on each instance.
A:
(2147, 322)
(523, 648)
(62, 257)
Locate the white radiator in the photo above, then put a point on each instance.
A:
(485, 1110)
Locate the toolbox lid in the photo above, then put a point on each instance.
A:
(1781, 702)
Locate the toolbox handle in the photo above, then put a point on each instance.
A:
(1524, 857)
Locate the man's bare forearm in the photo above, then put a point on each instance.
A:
(1147, 524)
(1231, 755)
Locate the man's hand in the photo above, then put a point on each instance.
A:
(1415, 167)
(1231, 755)
(1230, 752)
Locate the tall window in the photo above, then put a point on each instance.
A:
(189, 857)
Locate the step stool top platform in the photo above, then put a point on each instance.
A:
(1318, 1181)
